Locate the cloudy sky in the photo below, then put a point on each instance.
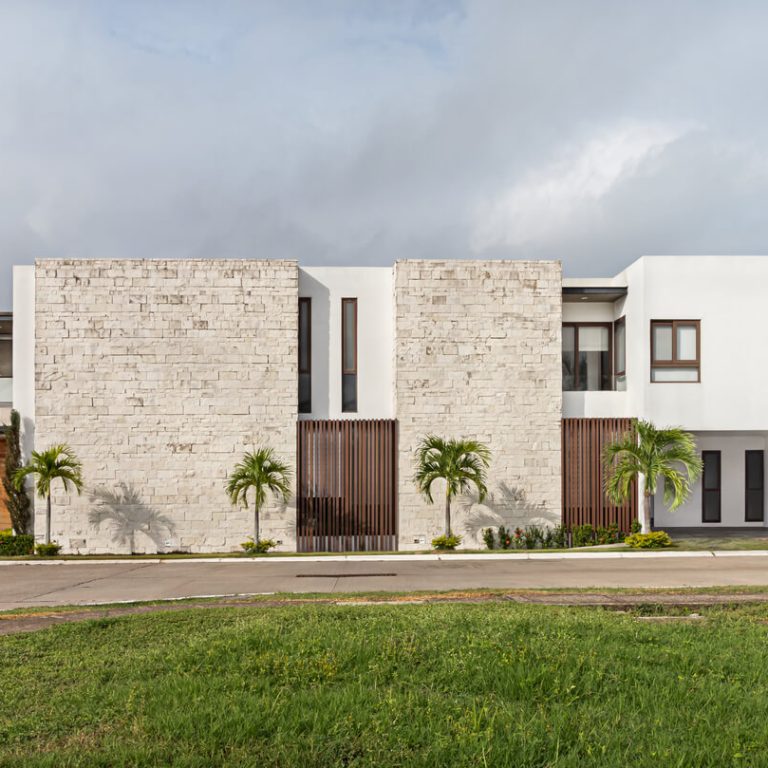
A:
(362, 132)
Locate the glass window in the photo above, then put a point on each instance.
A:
(569, 358)
(6, 359)
(686, 342)
(674, 374)
(349, 355)
(675, 348)
(662, 342)
(305, 355)
(586, 356)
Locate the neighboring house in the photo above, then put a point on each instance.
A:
(160, 374)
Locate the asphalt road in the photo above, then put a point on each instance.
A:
(52, 584)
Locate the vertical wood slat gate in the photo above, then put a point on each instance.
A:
(347, 485)
(583, 441)
(5, 518)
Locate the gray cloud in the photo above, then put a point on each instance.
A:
(346, 132)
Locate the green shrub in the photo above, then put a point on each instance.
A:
(505, 539)
(583, 535)
(259, 547)
(609, 534)
(635, 527)
(47, 550)
(446, 542)
(533, 536)
(558, 537)
(653, 540)
(15, 546)
(489, 538)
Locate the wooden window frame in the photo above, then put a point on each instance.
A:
(616, 372)
(718, 490)
(576, 326)
(674, 362)
(306, 300)
(353, 370)
(748, 519)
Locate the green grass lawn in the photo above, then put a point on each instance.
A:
(431, 685)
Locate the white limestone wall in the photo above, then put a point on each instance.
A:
(372, 287)
(477, 355)
(160, 374)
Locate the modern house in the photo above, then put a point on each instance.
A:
(160, 374)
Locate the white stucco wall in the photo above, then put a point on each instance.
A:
(373, 289)
(727, 294)
(24, 352)
(732, 498)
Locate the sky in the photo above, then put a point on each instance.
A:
(359, 132)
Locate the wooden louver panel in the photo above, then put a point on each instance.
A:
(347, 485)
(584, 501)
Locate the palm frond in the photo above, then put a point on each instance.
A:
(460, 463)
(260, 471)
(55, 463)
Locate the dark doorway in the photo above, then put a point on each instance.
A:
(754, 494)
(710, 487)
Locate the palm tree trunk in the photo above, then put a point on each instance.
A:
(48, 520)
(256, 523)
(645, 523)
(447, 514)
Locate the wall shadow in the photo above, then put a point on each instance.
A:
(127, 516)
(506, 505)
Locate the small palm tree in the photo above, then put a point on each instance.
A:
(56, 463)
(262, 471)
(654, 454)
(461, 463)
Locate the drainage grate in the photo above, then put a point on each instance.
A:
(339, 575)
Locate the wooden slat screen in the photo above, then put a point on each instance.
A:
(5, 518)
(347, 485)
(584, 501)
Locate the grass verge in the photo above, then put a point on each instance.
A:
(430, 685)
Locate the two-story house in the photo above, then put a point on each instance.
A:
(160, 374)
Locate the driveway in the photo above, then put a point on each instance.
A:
(93, 582)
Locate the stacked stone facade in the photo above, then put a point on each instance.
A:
(159, 375)
(478, 355)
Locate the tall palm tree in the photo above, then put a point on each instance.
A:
(56, 463)
(654, 454)
(261, 470)
(461, 463)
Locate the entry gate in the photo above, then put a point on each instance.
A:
(347, 485)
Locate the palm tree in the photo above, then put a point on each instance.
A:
(461, 463)
(655, 454)
(56, 463)
(262, 471)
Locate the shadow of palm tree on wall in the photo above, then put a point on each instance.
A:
(127, 515)
(505, 505)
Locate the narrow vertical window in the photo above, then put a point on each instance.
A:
(305, 355)
(620, 355)
(349, 355)
(6, 357)
(710, 487)
(754, 486)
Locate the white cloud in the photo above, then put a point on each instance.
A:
(567, 193)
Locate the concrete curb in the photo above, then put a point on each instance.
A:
(628, 555)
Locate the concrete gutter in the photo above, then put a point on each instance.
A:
(621, 555)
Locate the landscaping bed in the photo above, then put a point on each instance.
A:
(430, 684)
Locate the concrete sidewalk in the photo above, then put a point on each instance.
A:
(92, 582)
